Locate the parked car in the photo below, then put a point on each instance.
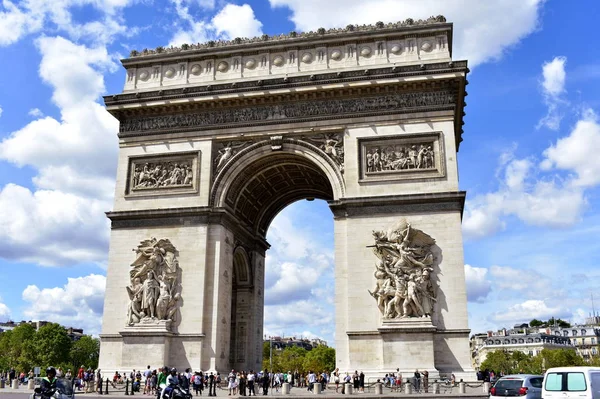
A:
(571, 383)
(526, 386)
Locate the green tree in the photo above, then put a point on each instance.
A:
(559, 358)
(536, 323)
(5, 362)
(320, 359)
(499, 361)
(85, 352)
(52, 346)
(292, 358)
(268, 363)
(21, 347)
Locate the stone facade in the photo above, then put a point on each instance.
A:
(209, 155)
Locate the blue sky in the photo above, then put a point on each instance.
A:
(528, 162)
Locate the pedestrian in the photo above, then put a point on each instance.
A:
(335, 376)
(231, 382)
(361, 381)
(251, 378)
(426, 381)
(417, 381)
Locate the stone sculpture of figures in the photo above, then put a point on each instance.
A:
(404, 288)
(226, 153)
(400, 157)
(162, 174)
(155, 283)
(332, 145)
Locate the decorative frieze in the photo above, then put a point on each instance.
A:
(288, 112)
(414, 156)
(163, 174)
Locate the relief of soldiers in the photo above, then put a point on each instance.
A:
(403, 274)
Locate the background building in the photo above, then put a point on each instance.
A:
(73, 333)
(280, 343)
(528, 341)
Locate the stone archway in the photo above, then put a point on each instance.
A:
(217, 138)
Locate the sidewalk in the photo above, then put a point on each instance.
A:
(472, 392)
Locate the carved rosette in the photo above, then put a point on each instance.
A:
(403, 273)
(332, 145)
(155, 284)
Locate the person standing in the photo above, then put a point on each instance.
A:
(426, 381)
(243, 381)
(161, 381)
(417, 381)
(355, 381)
(231, 382)
(361, 381)
(251, 379)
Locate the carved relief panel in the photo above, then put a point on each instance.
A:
(404, 286)
(163, 174)
(415, 156)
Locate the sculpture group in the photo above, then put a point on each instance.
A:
(404, 288)
(155, 283)
(162, 174)
(400, 157)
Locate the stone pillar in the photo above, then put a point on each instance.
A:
(285, 388)
(486, 387)
(348, 389)
(31, 383)
(462, 387)
(15, 384)
(317, 388)
(379, 388)
(408, 387)
(436, 387)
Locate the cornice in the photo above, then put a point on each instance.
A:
(113, 102)
(409, 203)
(188, 216)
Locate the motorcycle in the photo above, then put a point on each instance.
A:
(64, 390)
(176, 391)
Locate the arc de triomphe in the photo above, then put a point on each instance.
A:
(217, 138)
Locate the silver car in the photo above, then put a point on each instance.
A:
(526, 386)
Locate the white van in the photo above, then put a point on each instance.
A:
(571, 383)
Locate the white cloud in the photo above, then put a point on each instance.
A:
(483, 33)
(79, 303)
(36, 113)
(62, 220)
(553, 86)
(230, 22)
(526, 281)
(32, 16)
(299, 274)
(554, 76)
(1, 110)
(478, 286)
(534, 199)
(4, 311)
(578, 151)
(528, 310)
(51, 227)
(237, 21)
